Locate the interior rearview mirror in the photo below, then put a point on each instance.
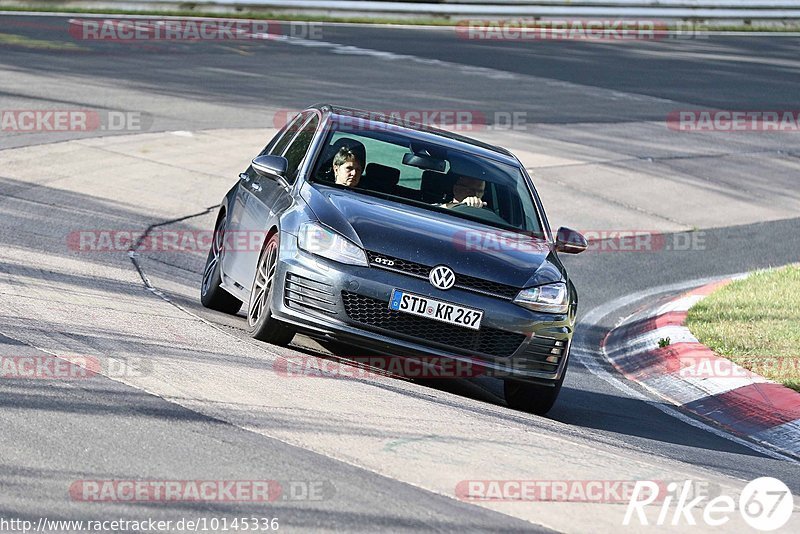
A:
(425, 162)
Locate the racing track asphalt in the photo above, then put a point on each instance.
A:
(573, 91)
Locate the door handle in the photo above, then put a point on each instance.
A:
(244, 177)
(255, 186)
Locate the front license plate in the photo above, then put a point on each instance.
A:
(435, 309)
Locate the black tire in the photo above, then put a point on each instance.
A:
(532, 398)
(260, 322)
(211, 294)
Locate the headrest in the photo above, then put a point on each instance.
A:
(384, 173)
(356, 146)
(436, 187)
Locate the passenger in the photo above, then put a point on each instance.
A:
(347, 167)
(467, 191)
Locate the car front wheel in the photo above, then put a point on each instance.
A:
(533, 398)
(261, 324)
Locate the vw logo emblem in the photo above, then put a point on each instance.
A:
(442, 277)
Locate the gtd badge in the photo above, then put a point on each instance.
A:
(442, 277)
(384, 261)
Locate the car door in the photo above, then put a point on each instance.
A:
(270, 196)
(244, 211)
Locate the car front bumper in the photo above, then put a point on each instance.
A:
(333, 301)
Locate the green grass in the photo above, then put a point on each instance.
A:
(26, 42)
(234, 12)
(755, 322)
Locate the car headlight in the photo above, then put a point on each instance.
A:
(550, 298)
(322, 241)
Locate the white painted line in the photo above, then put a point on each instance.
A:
(649, 341)
(679, 305)
(677, 391)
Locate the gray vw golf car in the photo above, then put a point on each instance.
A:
(400, 261)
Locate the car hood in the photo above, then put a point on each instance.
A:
(431, 238)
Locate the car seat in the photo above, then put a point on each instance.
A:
(437, 188)
(381, 178)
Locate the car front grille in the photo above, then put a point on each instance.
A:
(301, 293)
(376, 313)
(542, 354)
(419, 270)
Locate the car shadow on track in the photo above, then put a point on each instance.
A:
(606, 411)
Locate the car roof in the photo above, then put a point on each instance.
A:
(421, 132)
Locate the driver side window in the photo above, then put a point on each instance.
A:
(299, 146)
(279, 142)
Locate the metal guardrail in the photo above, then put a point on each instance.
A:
(669, 9)
(696, 10)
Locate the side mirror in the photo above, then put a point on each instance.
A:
(270, 166)
(569, 241)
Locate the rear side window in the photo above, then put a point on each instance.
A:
(299, 147)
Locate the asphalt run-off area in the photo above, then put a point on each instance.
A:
(677, 157)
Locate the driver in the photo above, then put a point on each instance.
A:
(347, 167)
(467, 191)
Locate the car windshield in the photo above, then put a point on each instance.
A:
(433, 176)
